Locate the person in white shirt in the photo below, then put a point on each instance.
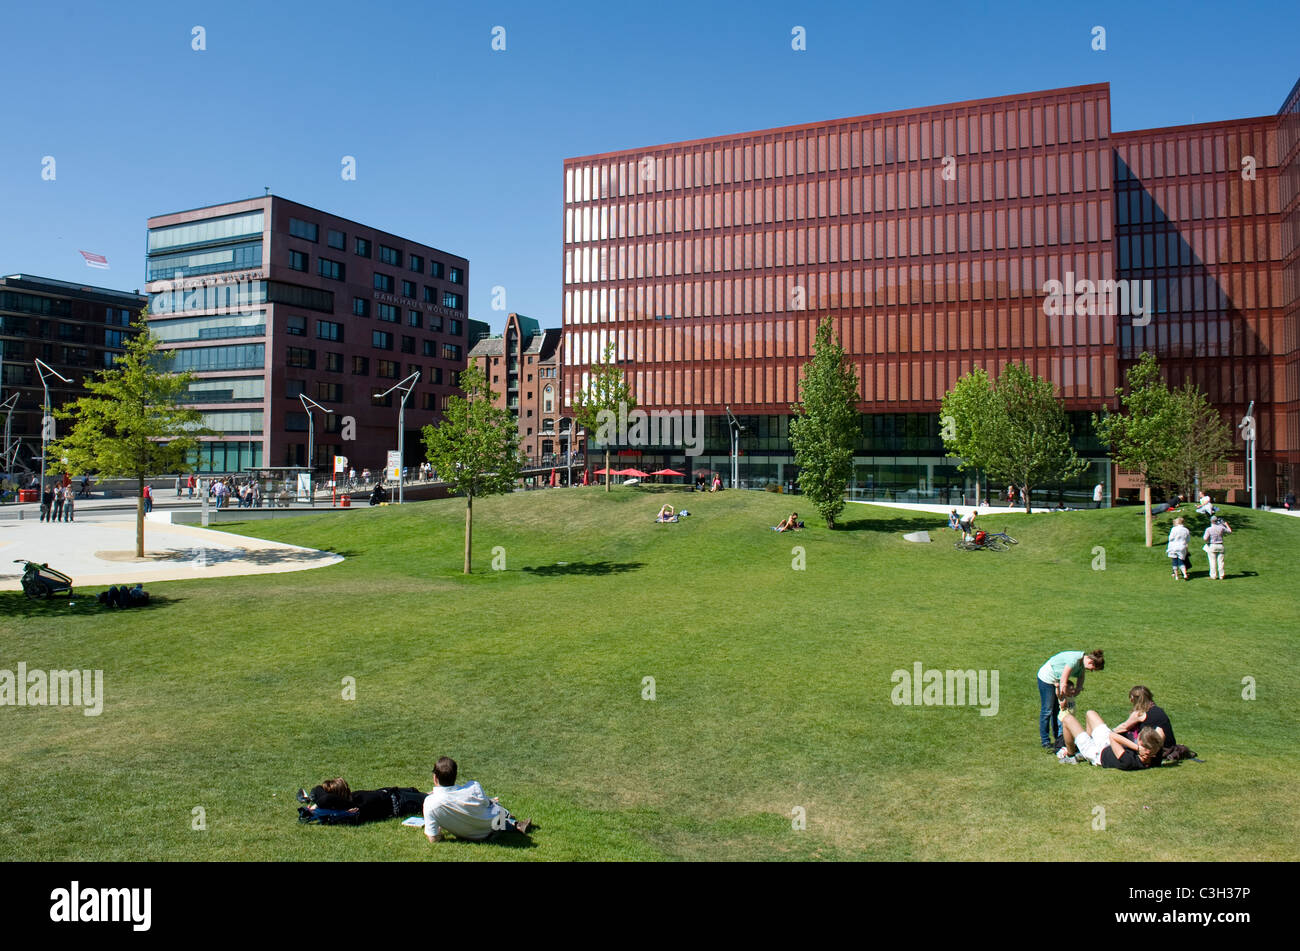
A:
(1177, 548)
(1097, 491)
(1205, 506)
(465, 810)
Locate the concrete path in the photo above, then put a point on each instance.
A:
(101, 552)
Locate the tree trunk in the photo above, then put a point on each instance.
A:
(1146, 509)
(606, 470)
(469, 528)
(139, 519)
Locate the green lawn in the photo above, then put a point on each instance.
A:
(772, 685)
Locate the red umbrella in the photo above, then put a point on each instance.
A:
(585, 477)
(633, 472)
(552, 478)
(669, 472)
(607, 472)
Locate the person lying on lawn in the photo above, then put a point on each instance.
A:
(1100, 746)
(666, 514)
(334, 799)
(790, 524)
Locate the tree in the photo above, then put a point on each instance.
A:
(605, 397)
(1201, 442)
(475, 448)
(826, 425)
(132, 425)
(1015, 429)
(1142, 438)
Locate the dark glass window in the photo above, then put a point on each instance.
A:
(362, 247)
(408, 289)
(361, 366)
(450, 351)
(417, 264)
(390, 369)
(384, 282)
(295, 422)
(360, 307)
(414, 318)
(329, 392)
(329, 330)
(336, 239)
(300, 357)
(294, 389)
(334, 362)
(381, 340)
(389, 313)
(304, 229)
(457, 276)
(296, 326)
(297, 260)
(429, 293)
(455, 328)
(435, 269)
(390, 256)
(408, 344)
(334, 270)
(451, 300)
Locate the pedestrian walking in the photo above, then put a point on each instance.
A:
(1177, 548)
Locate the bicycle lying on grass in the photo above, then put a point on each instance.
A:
(985, 541)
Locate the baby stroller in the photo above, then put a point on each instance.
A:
(42, 581)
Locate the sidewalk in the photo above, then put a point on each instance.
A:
(102, 552)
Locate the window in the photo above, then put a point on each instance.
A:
(414, 368)
(435, 375)
(389, 313)
(329, 330)
(336, 239)
(295, 422)
(384, 282)
(417, 264)
(381, 340)
(457, 276)
(294, 389)
(389, 369)
(430, 401)
(429, 293)
(435, 322)
(201, 359)
(386, 400)
(408, 344)
(296, 326)
(300, 357)
(360, 366)
(548, 401)
(435, 269)
(390, 256)
(329, 392)
(455, 328)
(430, 348)
(450, 351)
(449, 300)
(304, 229)
(360, 307)
(334, 270)
(414, 318)
(362, 247)
(334, 362)
(297, 260)
(408, 289)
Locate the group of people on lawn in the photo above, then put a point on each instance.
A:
(1144, 739)
(463, 810)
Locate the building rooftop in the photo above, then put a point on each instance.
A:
(32, 282)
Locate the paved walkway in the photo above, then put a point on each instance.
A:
(102, 552)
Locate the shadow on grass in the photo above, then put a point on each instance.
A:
(892, 525)
(83, 602)
(585, 568)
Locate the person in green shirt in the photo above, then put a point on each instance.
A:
(1054, 686)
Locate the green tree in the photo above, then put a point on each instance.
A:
(132, 424)
(475, 448)
(1014, 429)
(1142, 437)
(826, 425)
(1201, 442)
(598, 405)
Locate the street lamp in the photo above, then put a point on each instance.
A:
(736, 430)
(406, 386)
(307, 404)
(47, 421)
(1247, 427)
(9, 404)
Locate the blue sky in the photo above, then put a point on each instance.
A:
(462, 147)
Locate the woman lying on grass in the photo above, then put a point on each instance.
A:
(333, 802)
(666, 514)
(1100, 746)
(790, 524)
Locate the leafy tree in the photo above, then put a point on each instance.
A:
(1015, 429)
(826, 425)
(475, 448)
(605, 394)
(1143, 437)
(132, 425)
(1201, 442)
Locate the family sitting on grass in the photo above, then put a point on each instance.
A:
(1145, 738)
(464, 810)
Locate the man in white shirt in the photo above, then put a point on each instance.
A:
(465, 810)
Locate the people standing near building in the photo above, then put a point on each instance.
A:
(1176, 550)
(47, 501)
(148, 498)
(1213, 538)
(56, 514)
(69, 503)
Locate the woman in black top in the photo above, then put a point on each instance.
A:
(1146, 713)
(334, 797)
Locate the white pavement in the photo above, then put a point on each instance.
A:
(102, 552)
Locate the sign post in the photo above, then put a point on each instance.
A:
(340, 466)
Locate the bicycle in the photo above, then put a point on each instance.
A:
(1002, 536)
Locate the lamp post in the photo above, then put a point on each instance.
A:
(47, 421)
(1247, 427)
(736, 430)
(307, 404)
(406, 386)
(9, 405)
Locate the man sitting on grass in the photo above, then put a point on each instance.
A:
(790, 524)
(1101, 746)
(465, 810)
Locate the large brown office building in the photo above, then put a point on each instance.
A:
(75, 329)
(267, 300)
(930, 236)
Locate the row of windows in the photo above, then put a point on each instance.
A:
(854, 144)
(385, 284)
(388, 369)
(231, 227)
(310, 231)
(944, 235)
(1188, 154)
(1041, 177)
(209, 328)
(248, 389)
(1188, 201)
(208, 261)
(305, 358)
(240, 357)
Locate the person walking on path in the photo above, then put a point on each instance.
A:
(1213, 538)
(1177, 548)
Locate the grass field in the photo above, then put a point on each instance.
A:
(772, 689)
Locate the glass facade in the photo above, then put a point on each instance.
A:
(206, 232)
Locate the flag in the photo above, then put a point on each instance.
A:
(95, 260)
